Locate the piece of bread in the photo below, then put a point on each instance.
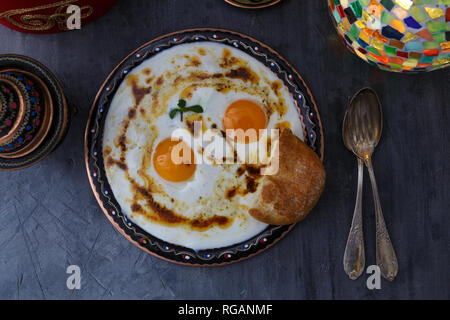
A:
(290, 194)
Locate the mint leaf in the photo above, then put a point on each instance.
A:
(196, 109)
(173, 113)
(182, 108)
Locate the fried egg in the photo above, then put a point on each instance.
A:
(201, 199)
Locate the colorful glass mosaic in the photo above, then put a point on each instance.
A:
(396, 35)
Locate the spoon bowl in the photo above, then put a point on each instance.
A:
(365, 123)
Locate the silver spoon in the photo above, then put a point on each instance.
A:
(365, 122)
(354, 257)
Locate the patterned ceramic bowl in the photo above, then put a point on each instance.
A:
(33, 112)
(37, 110)
(396, 35)
(13, 104)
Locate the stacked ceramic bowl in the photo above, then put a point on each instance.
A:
(33, 112)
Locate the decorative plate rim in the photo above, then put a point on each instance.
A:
(256, 6)
(143, 240)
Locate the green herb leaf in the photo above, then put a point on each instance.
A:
(196, 109)
(182, 108)
(173, 113)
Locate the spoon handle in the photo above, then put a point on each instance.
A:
(354, 257)
(386, 257)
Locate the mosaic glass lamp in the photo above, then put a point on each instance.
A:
(396, 35)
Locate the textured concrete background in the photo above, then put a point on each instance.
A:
(49, 218)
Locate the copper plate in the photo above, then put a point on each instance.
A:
(308, 115)
(252, 4)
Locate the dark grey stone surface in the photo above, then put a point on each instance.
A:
(49, 218)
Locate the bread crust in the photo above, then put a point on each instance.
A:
(289, 195)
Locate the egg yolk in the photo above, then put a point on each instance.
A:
(174, 160)
(244, 114)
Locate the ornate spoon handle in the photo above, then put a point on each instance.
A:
(354, 258)
(386, 258)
